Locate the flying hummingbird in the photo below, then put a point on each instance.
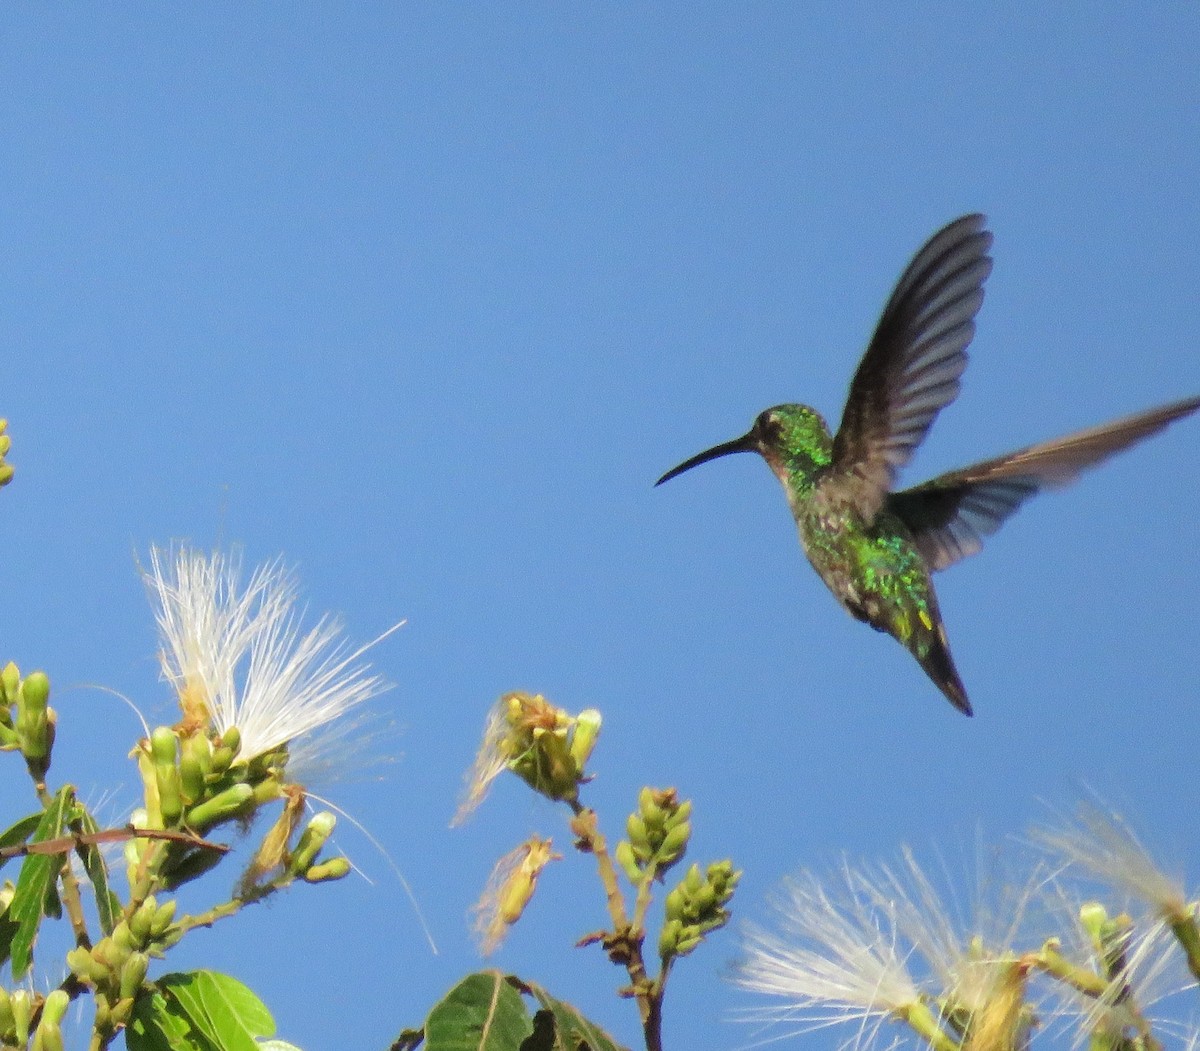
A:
(876, 548)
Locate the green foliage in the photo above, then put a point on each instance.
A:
(200, 1011)
(490, 1011)
(36, 895)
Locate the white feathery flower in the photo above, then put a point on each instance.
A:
(242, 654)
(968, 956)
(879, 942)
(835, 957)
(1105, 846)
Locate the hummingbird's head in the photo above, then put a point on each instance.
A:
(788, 437)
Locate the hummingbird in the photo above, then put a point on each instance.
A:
(876, 548)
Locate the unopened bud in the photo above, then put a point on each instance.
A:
(22, 1010)
(164, 748)
(10, 681)
(133, 974)
(230, 803)
(312, 839)
(328, 871)
(583, 740)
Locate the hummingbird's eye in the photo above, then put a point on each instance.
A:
(768, 426)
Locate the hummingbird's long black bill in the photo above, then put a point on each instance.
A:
(747, 443)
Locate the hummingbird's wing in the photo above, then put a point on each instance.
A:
(912, 365)
(951, 515)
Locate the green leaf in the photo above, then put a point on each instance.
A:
(35, 885)
(201, 1011)
(108, 906)
(484, 1012)
(225, 1011)
(572, 1030)
(153, 1026)
(16, 835)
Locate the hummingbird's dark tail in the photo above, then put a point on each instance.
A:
(939, 666)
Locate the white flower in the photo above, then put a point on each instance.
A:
(239, 657)
(1105, 846)
(835, 956)
(880, 943)
(968, 956)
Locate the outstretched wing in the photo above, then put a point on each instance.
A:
(912, 365)
(950, 516)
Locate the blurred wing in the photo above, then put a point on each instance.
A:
(950, 516)
(912, 366)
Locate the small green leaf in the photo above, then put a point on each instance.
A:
(35, 885)
(572, 1030)
(484, 1012)
(108, 906)
(16, 835)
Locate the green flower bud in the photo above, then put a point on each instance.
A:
(34, 722)
(102, 1021)
(124, 940)
(194, 764)
(6, 1012)
(170, 936)
(231, 803)
(222, 759)
(652, 814)
(674, 844)
(10, 682)
(583, 740)
(1092, 917)
(635, 829)
(49, 1034)
(22, 1010)
(312, 839)
(232, 739)
(85, 967)
(268, 790)
(624, 855)
(163, 916)
(668, 939)
(327, 871)
(164, 748)
(55, 1006)
(133, 974)
(675, 904)
(139, 922)
(34, 692)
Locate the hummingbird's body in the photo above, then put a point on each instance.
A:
(875, 548)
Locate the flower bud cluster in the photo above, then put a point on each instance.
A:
(197, 781)
(546, 746)
(658, 832)
(697, 906)
(17, 1011)
(116, 966)
(27, 722)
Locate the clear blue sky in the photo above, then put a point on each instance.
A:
(424, 298)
